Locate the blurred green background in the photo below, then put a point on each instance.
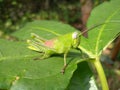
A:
(15, 13)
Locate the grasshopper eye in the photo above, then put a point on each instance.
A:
(75, 35)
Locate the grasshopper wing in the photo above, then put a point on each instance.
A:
(38, 44)
(37, 38)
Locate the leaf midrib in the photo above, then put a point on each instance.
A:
(16, 57)
(48, 30)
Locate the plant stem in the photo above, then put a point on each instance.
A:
(101, 74)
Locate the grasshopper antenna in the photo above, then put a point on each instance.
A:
(91, 28)
(98, 25)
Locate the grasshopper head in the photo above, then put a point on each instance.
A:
(75, 39)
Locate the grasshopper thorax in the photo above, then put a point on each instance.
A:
(75, 39)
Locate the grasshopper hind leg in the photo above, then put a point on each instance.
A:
(43, 56)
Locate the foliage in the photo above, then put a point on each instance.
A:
(44, 74)
(19, 70)
(15, 13)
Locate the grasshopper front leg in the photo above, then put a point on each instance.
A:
(65, 63)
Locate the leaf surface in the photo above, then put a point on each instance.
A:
(103, 35)
(19, 70)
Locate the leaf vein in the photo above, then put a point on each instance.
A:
(48, 30)
(102, 29)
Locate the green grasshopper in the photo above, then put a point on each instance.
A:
(58, 45)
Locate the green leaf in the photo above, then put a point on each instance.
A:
(44, 28)
(14, 50)
(19, 70)
(78, 82)
(100, 37)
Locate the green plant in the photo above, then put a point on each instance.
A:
(19, 70)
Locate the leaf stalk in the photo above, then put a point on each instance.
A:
(101, 74)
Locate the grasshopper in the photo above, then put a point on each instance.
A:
(58, 45)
